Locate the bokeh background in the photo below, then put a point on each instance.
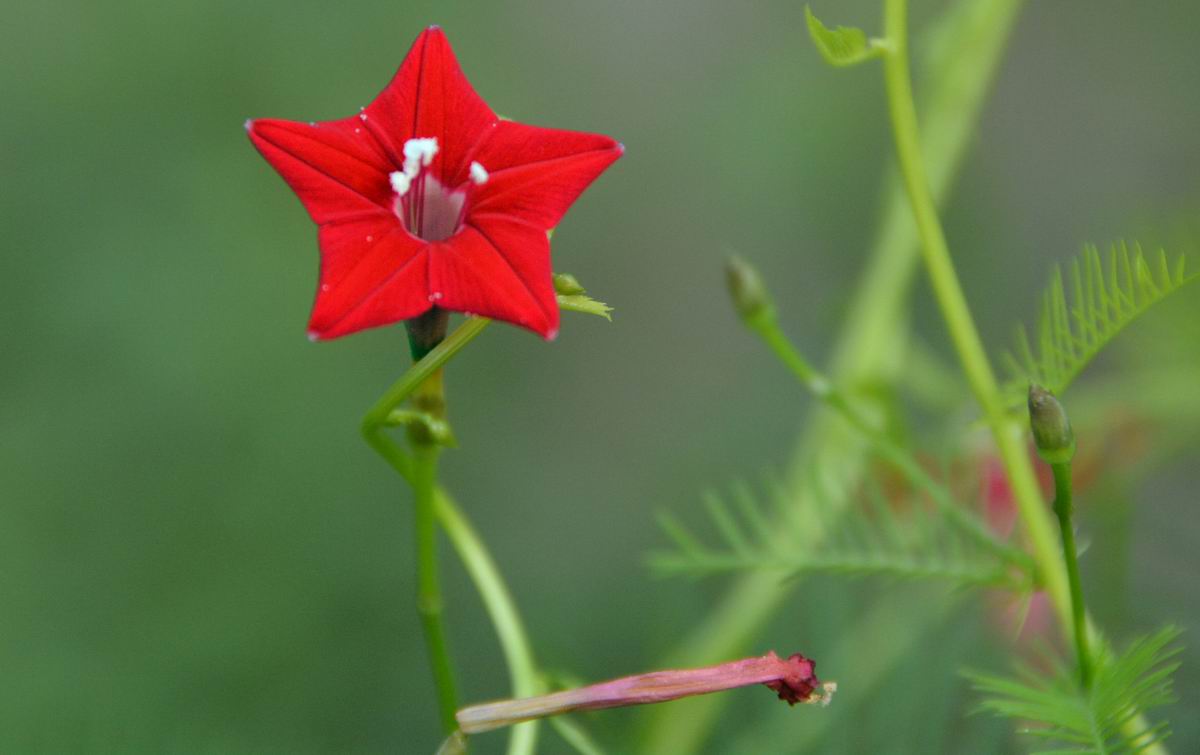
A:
(197, 552)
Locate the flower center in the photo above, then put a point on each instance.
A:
(428, 209)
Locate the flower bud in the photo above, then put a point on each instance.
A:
(1052, 431)
(750, 297)
(565, 284)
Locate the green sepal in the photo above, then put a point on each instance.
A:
(572, 297)
(843, 46)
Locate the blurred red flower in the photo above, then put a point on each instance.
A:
(427, 198)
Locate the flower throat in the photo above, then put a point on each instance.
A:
(428, 209)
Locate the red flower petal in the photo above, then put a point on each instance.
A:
(372, 273)
(335, 167)
(497, 267)
(537, 173)
(430, 96)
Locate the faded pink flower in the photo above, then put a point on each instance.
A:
(793, 678)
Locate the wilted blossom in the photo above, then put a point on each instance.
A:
(794, 679)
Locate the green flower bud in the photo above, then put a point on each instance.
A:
(750, 297)
(1052, 431)
(566, 285)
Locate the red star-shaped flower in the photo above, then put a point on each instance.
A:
(427, 198)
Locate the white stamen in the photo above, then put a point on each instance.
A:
(420, 149)
(400, 182)
(479, 174)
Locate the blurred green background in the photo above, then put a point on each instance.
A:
(198, 553)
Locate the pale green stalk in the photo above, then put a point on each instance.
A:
(1009, 437)
(501, 609)
(865, 351)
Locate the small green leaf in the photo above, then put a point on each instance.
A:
(843, 46)
(585, 304)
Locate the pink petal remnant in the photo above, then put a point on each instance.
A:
(793, 678)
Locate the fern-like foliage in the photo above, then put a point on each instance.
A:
(1102, 721)
(1084, 310)
(877, 535)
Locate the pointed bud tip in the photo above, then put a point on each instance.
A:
(1052, 433)
(566, 284)
(746, 289)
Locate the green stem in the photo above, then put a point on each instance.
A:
(1063, 508)
(471, 550)
(514, 642)
(429, 592)
(376, 416)
(1010, 440)
(497, 600)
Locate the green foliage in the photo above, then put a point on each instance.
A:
(883, 535)
(843, 46)
(585, 304)
(1103, 301)
(1100, 720)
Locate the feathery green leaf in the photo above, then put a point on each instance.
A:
(1103, 301)
(1054, 707)
(885, 535)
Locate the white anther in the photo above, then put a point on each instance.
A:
(479, 174)
(422, 149)
(400, 182)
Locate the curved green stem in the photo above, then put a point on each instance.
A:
(497, 600)
(376, 416)
(1010, 440)
(423, 381)
(1063, 508)
(469, 546)
(510, 630)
